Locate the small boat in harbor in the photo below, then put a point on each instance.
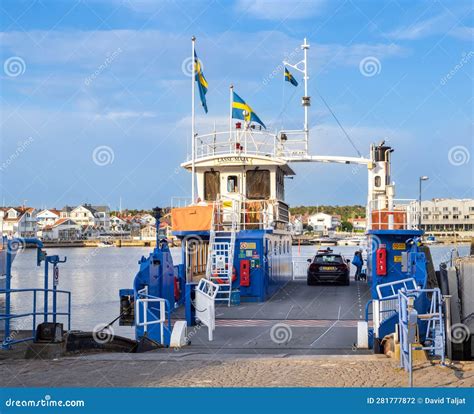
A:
(353, 241)
(325, 241)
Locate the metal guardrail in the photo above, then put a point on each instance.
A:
(8, 338)
(239, 142)
(205, 304)
(408, 324)
(146, 302)
(252, 214)
(300, 268)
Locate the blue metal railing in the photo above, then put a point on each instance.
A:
(12, 246)
(8, 338)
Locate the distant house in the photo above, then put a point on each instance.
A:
(148, 232)
(18, 221)
(146, 219)
(118, 224)
(92, 216)
(66, 211)
(296, 225)
(62, 229)
(322, 222)
(47, 218)
(358, 223)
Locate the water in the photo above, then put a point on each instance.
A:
(95, 275)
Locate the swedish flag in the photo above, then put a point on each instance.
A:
(240, 110)
(289, 78)
(201, 81)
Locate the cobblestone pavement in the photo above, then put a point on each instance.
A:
(230, 372)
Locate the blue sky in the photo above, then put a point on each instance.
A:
(82, 75)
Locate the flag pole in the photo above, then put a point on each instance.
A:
(231, 98)
(305, 47)
(193, 155)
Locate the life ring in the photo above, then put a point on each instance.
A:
(216, 277)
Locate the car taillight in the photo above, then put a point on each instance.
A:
(313, 267)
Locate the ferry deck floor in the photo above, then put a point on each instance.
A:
(318, 352)
(297, 320)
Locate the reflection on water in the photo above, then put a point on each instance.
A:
(95, 275)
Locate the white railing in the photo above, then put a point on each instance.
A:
(238, 142)
(251, 214)
(300, 268)
(142, 301)
(206, 293)
(177, 202)
(292, 145)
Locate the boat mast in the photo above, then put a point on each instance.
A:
(302, 67)
(306, 100)
(231, 97)
(193, 155)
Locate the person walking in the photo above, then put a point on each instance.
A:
(358, 262)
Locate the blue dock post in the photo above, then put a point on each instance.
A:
(46, 283)
(55, 269)
(7, 296)
(8, 272)
(54, 260)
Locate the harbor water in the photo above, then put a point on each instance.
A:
(95, 275)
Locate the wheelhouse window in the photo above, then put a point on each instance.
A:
(211, 185)
(258, 184)
(378, 181)
(232, 184)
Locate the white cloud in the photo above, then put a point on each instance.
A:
(281, 10)
(115, 115)
(463, 33)
(444, 23)
(328, 139)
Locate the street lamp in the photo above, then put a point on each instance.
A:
(422, 178)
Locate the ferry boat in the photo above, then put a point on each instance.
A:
(236, 244)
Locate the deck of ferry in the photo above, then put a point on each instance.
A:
(321, 319)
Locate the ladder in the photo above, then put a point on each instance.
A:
(220, 260)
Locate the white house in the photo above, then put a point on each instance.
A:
(18, 222)
(358, 223)
(322, 222)
(296, 225)
(118, 224)
(62, 229)
(147, 219)
(91, 216)
(47, 217)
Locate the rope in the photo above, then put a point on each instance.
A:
(340, 125)
(280, 114)
(111, 323)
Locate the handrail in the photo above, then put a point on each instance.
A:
(370, 302)
(7, 341)
(144, 298)
(271, 210)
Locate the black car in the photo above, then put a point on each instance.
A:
(328, 267)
